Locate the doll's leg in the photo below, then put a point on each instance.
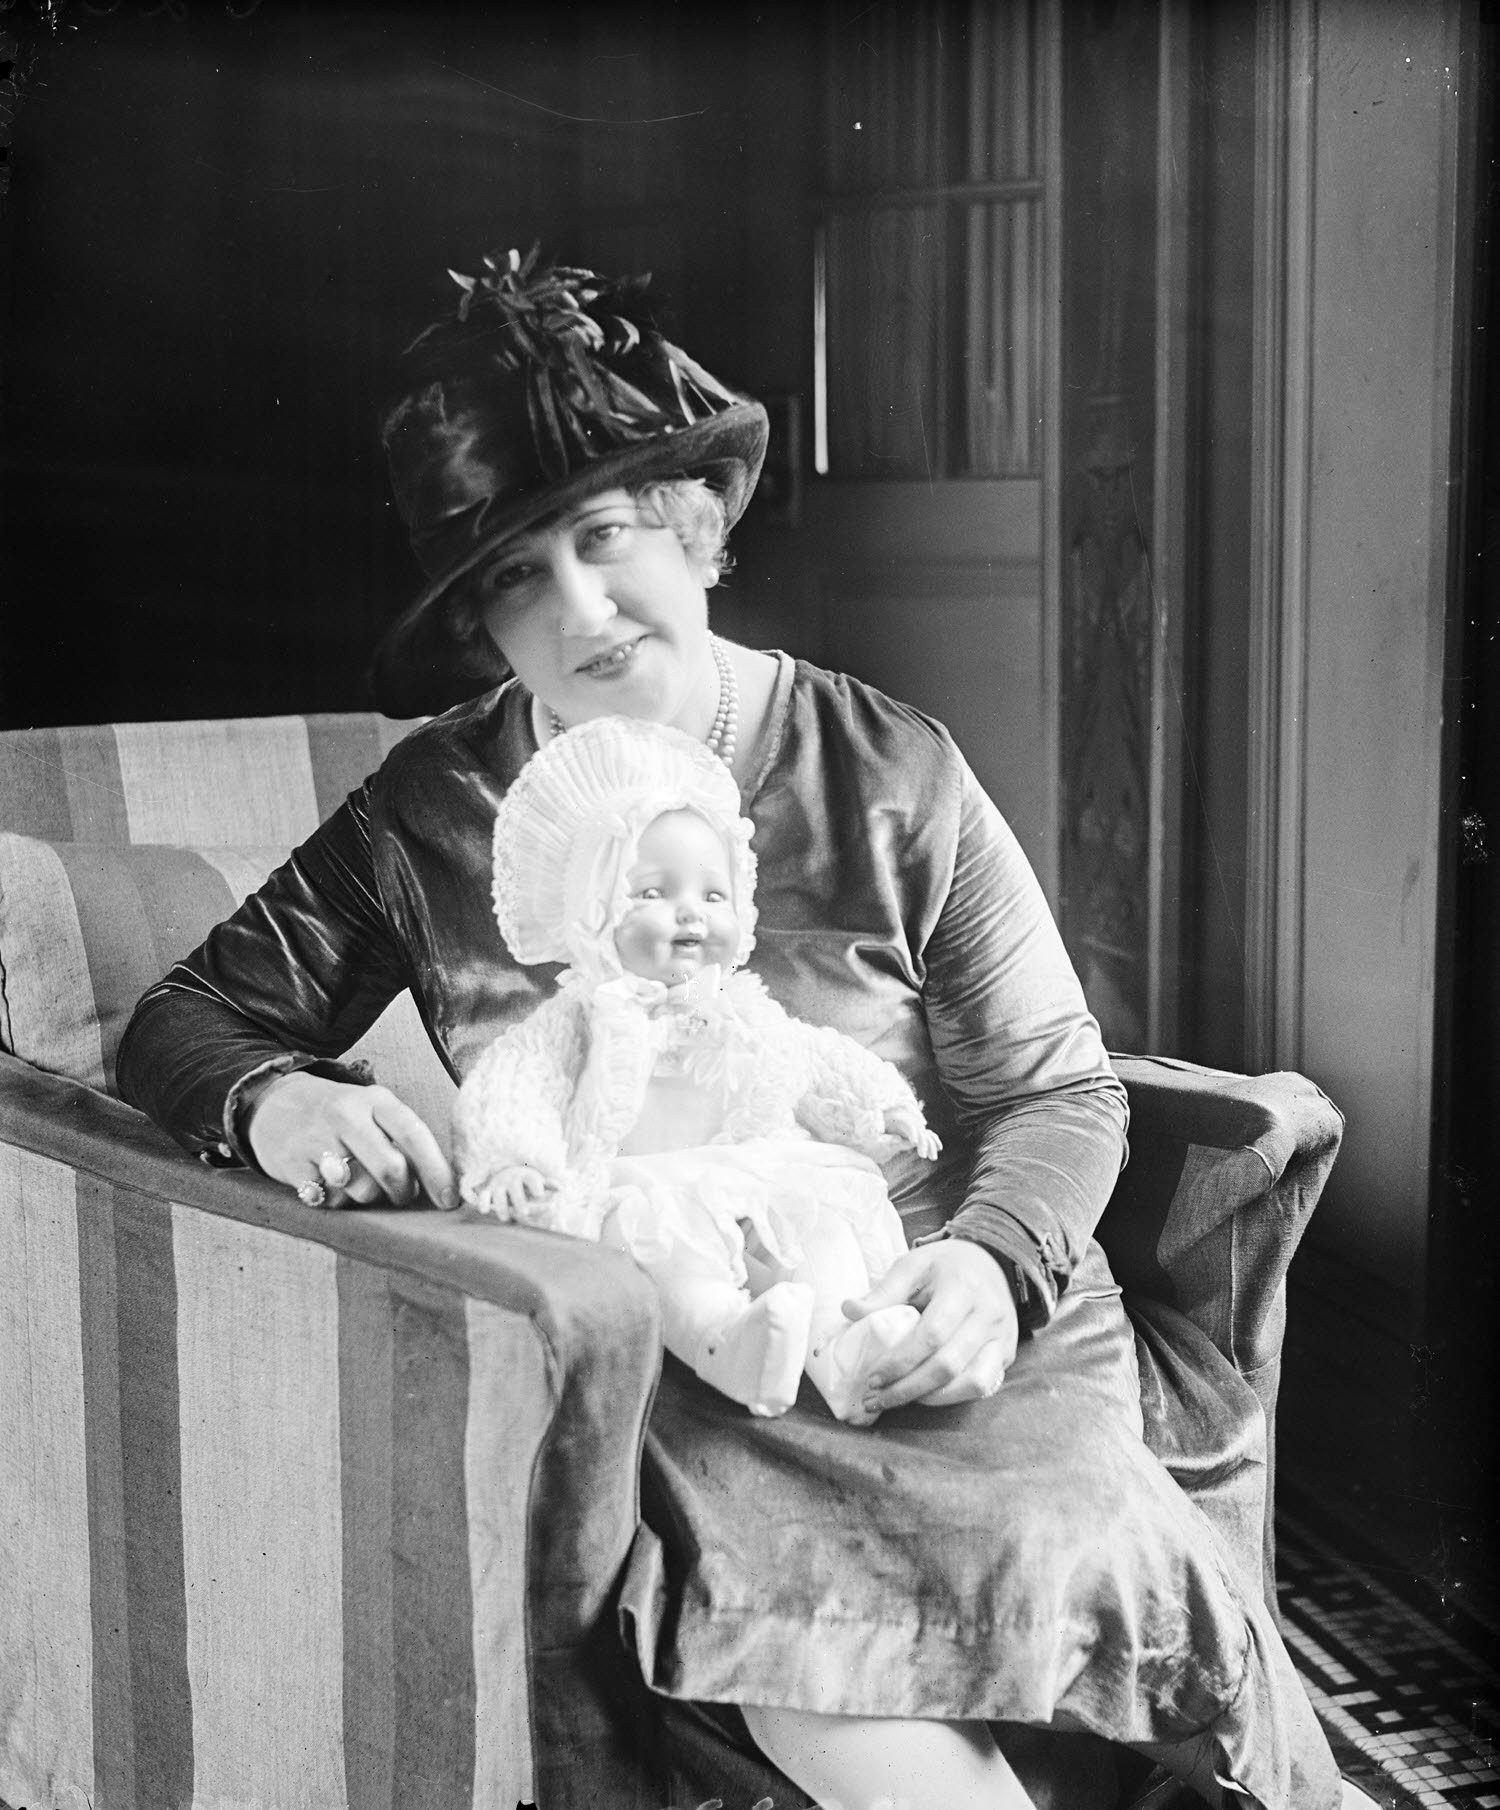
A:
(751, 1351)
(863, 1763)
(843, 1352)
(757, 1355)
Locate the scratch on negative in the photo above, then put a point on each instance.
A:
(577, 119)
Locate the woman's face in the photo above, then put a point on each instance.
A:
(600, 613)
(682, 916)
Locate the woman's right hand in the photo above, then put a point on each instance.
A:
(301, 1118)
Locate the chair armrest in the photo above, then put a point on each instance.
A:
(384, 1458)
(1223, 1175)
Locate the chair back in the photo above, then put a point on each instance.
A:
(122, 844)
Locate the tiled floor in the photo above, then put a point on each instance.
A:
(1407, 1686)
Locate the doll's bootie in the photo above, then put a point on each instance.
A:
(844, 1358)
(757, 1357)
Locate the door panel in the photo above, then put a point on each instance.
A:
(961, 640)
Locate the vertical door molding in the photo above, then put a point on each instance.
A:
(1170, 531)
(1285, 62)
(1047, 858)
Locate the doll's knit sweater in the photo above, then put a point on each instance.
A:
(560, 1091)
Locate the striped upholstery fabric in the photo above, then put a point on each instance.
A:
(85, 928)
(297, 1509)
(102, 888)
(250, 781)
(1223, 1176)
(294, 1505)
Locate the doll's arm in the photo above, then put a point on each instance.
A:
(855, 1097)
(509, 1121)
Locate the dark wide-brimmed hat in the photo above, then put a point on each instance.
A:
(547, 385)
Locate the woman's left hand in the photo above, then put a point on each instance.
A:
(966, 1338)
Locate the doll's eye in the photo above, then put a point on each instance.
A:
(647, 892)
(715, 897)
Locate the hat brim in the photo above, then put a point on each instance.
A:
(727, 450)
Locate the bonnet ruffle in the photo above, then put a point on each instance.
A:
(567, 832)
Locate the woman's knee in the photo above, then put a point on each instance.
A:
(887, 1763)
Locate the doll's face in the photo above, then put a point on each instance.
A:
(682, 916)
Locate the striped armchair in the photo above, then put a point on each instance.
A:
(302, 1510)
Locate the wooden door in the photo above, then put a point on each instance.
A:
(935, 283)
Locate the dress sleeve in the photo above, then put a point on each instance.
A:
(1022, 1059)
(296, 975)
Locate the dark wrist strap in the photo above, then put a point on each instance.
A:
(1031, 1307)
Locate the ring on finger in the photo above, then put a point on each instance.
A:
(335, 1168)
(313, 1194)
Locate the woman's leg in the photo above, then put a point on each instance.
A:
(864, 1763)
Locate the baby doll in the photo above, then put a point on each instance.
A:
(661, 1101)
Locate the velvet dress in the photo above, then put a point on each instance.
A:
(1020, 1559)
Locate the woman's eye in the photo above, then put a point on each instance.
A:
(603, 534)
(507, 578)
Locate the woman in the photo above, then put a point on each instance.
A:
(1002, 1548)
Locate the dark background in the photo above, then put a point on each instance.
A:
(222, 226)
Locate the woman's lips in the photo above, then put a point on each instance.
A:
(613, 660)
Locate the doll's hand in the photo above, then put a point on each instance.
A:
(905, 1123)
(509, 1192)
(964, 1342)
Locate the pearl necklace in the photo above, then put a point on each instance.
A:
(724, 732)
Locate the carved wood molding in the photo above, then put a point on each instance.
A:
(1285, 64)
(1107, 612)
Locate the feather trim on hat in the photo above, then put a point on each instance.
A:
(576, 339)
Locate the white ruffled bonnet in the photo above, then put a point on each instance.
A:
(567, 831)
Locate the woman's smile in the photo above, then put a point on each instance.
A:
(601, 613)
(613, 661)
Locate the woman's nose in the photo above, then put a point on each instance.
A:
(583, 600)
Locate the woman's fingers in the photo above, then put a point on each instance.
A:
(980, 1377)
(302, 1123)
(395, 1148)
(904, 1283)
(363, 1189)
(944, 1370)
(965, 1338)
